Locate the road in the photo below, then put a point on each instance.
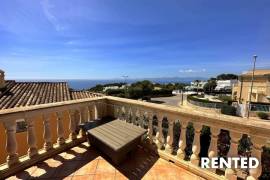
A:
(172, 101)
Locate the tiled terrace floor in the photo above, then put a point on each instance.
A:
(84, 162)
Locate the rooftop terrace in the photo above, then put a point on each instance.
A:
(168, 150)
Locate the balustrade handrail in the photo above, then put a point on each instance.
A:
(226, 122)
(99, 107)
(248, 126)
(45, 108)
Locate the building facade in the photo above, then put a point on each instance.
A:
(260, 91)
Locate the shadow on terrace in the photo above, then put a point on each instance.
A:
(85, 162)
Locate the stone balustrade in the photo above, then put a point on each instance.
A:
(86, 110)
(154, 117)
(259, 133)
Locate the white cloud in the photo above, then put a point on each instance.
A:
(47, 7)
(191, 70)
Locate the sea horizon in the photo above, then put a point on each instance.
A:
(82, 84)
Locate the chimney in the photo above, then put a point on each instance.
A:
(2, 79)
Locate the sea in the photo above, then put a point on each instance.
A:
(83, 84)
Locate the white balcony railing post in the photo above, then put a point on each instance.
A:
(194, 159)
(60, 129)
(47, 132)
(89, 113)
(212, 151)
(182, 141)
(258, 143)
(230, 173)
(72, 125)
(150, 127)
(126, 113)
(159, 135)
(11, 143)
(31, 137)
(168, 147)
(81, 111)
(141, 118)
(134, 115)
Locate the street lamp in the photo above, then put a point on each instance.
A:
(252, 79)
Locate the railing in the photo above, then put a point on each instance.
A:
(214, 105)
(260, 107)
(160, 120)
(86, 109)
(131, 111)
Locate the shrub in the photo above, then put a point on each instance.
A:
(262, 115)
(228, 110)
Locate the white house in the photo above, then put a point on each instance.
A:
(225, 84)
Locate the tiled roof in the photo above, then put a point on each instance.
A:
(18, 94)
(84, 94)
(258, 72)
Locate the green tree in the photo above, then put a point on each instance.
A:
(97, 88)
(227, 76)
(210, 85)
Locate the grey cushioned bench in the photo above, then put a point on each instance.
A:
(116, 138)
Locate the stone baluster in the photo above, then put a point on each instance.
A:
(100, 109)
(141, 118)
(47, 132)
(159, 135)
(258, 143)
(212, 151)
(168, 147)
(60, 128)
(90, 112)
(150, 127)
(230, 173)
(182, 141)
(31, 137)
(115, 111)
(11, 143)
(134, 115)
(72, 125)
(194, 159)
(81, 111)
(126, 113)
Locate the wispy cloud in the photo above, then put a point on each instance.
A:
(47, 6)
(191, 70)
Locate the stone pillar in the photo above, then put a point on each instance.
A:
(11, 143)
(182, 141)
(159, 135)
(134, 115)
(230, 173)
(115, 111)
(126, 114)
(196, 147)
(212, 151)
(60, 129)
(31, 137)
(47, 135)
(150, 127)
(141, 118)
(72, 125)
(90, 116)
(168, 147)
(258, 143)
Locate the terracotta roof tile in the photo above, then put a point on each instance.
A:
(18, 94)
(84, 94)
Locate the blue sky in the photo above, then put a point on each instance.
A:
(96, 39)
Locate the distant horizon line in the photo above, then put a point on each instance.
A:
(142, 78)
